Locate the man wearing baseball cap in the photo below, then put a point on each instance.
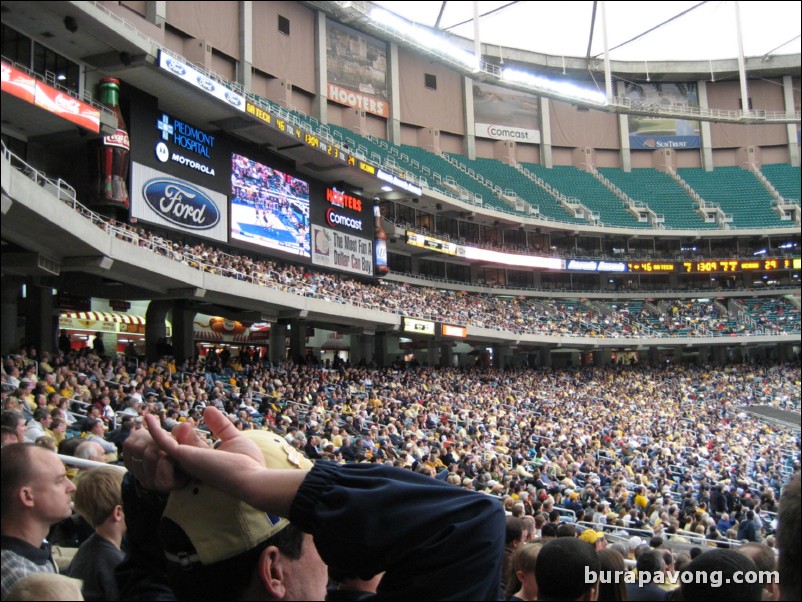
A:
(223, 537)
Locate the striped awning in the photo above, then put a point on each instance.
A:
(106, 316)
(207, 335)
(336, 345)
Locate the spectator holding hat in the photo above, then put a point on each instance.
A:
(224, 548)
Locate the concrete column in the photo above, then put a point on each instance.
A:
(156, 12)
(704, 355)
(380, 354)
(623, 132)
(653, 356)
(245, 64)
(446, 356)
(355, 356)
(183, 331)
(297, 339)
(432, 354)
(278, 343)
(719, 355)
(602, 357)
(155, 327)
(704, 129)
(394, 122)
(10, 287)
(41, 323)
(791, 128)
(320, 106)
(500, 360)
(784, 352)
(546, 158)
(545, 357)
(469, 142)
(367, 347)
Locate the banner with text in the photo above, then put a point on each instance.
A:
(504, 114)
(652, 133)
(341, 251)
(162, 199)
(357, 69)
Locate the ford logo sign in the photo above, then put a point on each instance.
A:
(176, 67)
(233, 99)
(181, 203)
(205, 83)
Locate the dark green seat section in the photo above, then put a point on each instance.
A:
(661, 194)
(786, 179)
(738, 192)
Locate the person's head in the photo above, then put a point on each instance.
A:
(522, 571)
(90, 450)
(765, 560)
(514, 532)
(58, 426)
(719, 567)
(612, 562)
(46, 586)
(789, 534)
(563, 567)
(8, 436)
(15, 420)
(36, 492)
(651, 562)
(594, 538)
(42, 416)
(221, 548)
(549, 530)
(98, 495)
(47, 442)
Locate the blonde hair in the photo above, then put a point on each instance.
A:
(524, 559)
(98, 493)
(46, 586)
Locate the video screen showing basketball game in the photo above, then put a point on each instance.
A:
(269, 208)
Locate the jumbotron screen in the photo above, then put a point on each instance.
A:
(269, 208)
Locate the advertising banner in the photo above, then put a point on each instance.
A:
(197, 79)
(357, 70)
(652, 133)
(30, 89)
(162, 199)
(341, 251)
(504, 114)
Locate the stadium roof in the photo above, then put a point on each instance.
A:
(642, 31)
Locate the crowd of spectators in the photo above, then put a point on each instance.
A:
(595, 433)
(520, 315)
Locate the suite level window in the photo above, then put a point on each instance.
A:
(284, 25)
(430, 81)
(55, 68)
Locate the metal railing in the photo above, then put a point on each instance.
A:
(258, 274)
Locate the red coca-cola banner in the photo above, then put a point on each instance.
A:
(28, 88)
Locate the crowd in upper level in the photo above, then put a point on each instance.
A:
(519, 315)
